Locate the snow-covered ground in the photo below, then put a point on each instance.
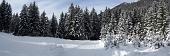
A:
(45, 46)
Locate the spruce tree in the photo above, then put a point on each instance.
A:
(45, 25)
(33, 15)
(23, 27)
(69, 22)
(94, 25)
(62, 25)
(5, 16)
(75, 29)
(81, 26)
(106, 16)
(86, 23)
(54, 27)
(65, 27)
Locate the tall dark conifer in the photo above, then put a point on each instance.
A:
(69, 21)
(54, 26)
(23, 27)
(5, 16)
(86, 23)
(45, 25)
(62, 25)
(33, 14)
(94, 25)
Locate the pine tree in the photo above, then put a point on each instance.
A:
(5, 16)
(75, 29)
(8, 17)
(76, 25)
(23, 27)
(54, 26)
(33, 14)
(65, 27)
(69, 21)
(45, 25)
(82, 29)
(94, 25)
(86, 23)
(81, 26)
(62, 25)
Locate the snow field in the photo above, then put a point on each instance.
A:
(46, 46)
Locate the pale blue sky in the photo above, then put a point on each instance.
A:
(57, 6)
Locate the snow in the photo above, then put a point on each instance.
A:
(46, 46)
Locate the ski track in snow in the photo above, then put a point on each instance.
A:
(45, 46)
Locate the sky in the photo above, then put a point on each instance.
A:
(58, 6)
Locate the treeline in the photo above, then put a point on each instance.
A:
(29, 22)
(82, 24)
(76, 24)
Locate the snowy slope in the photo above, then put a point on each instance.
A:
(30, 46)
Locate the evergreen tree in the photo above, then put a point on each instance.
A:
(86, 23)
(65, 27)
(33, 15)
(62, 25)
(45, 25)
(75, 30)
(5, 16)
(83, 31)
(23, 29)
(94, 25)
(69, 22)
(54, 26)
